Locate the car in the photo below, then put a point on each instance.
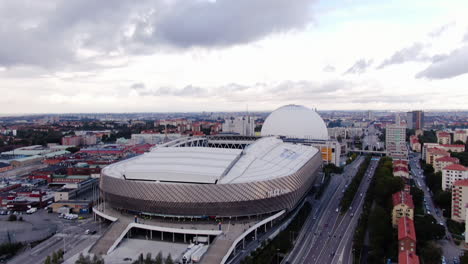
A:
(428, 211)
(352, 214)
(350, 208)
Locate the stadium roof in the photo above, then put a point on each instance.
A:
(266, 158)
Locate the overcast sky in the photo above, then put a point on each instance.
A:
(63, 56)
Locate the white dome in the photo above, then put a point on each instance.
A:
(295, 121)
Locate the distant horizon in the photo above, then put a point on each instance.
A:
(253, 111)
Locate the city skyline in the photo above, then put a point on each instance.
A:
(156, 56)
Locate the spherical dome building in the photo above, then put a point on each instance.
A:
(295, 121)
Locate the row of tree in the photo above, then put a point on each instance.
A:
(159, 259)
(57, 258)
(383, 240)
(353, 187)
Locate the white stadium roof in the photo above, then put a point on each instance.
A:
(295, 121)
(265, 159)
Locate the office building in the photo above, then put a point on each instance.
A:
(415, 120)
(395, 136)
(244, 126)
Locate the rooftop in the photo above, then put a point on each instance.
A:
(395, 169)
(452, 146)
(266, 158)
(406, 229)
(438, 151)
(456, 167)
(403, 198)
(447, 159)
(407, 257)
(443, 134)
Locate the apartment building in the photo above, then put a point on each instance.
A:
(403, 206)
(453, 173)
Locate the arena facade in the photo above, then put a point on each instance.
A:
(213, 177)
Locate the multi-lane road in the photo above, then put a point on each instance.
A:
(327, 235)
(450, 250)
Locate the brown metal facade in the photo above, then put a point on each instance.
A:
(224, 200)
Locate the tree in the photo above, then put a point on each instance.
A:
(428, 229)
(73, 149)
(462, 156)
(159, 258)
(431, 254)
(464, 258)
(148, 259)
(418, 198)
(47, 260)
(169, 259)
(443, 199)
(55, 259)
(12, 218)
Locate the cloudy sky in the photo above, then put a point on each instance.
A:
(226, 55)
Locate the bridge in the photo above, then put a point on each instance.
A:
(373, 152)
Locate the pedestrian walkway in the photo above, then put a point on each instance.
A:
(106, 241)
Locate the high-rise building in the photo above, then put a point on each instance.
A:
(415, 119)
(395, 137)
(244, 126)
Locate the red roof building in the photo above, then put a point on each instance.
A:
(443, 162)
(400, 163)
(407, 257)
(447, 159)
(456, 167)
(403, 198)
(453, 148)
(443, 134)
(406, 235)
(401, 172)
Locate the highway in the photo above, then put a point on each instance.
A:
(327, 235)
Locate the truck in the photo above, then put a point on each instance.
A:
(31, 210)
(188, 254)
(197, 255)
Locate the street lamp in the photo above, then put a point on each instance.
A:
(277, 256)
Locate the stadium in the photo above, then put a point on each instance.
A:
(221, 176)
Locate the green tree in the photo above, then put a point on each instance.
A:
(418, 199)
(55, 259)
(148, 259)
(47, 260)
(431, 254)
(462, 156)
(443, 199)
(428, 229)
(12, 218)
(159, 258)
(169, 259)
(73, 149)
(464, 258)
